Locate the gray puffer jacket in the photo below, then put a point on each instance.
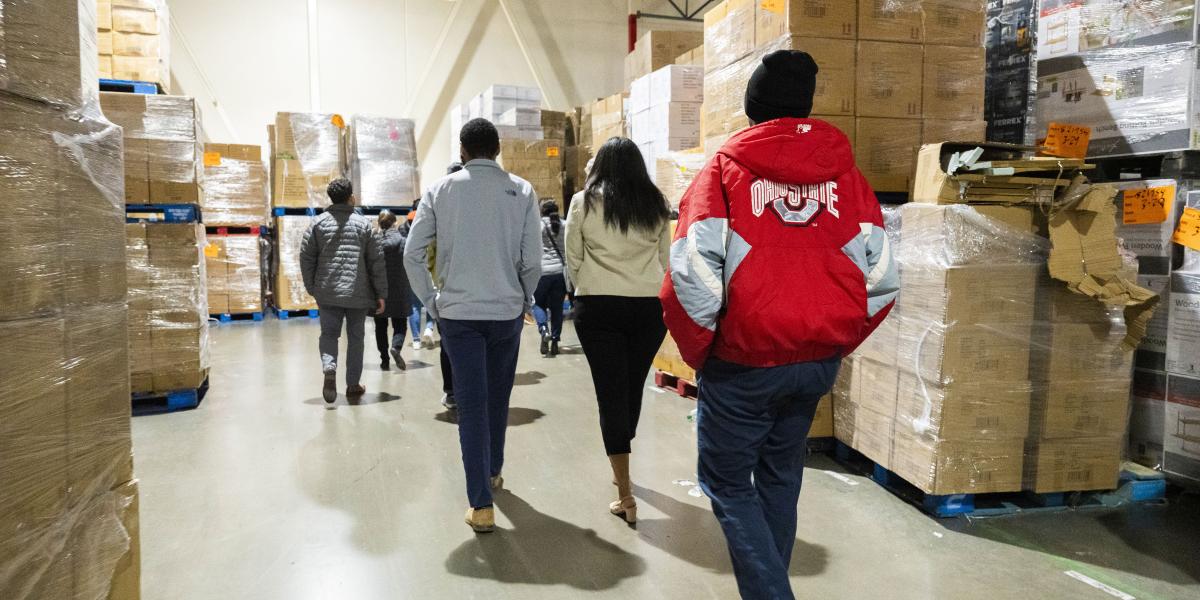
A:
(342, 260)
(552, 247)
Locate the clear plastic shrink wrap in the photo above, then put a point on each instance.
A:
(163, 151)
(236, 187)
(676, 170)
(234, 271)
(289, 282)
(309, 153)
(66, 473)
(383, 155)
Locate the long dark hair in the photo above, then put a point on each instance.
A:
(619, 177)
(550, 210)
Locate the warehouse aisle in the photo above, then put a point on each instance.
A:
(263, 493)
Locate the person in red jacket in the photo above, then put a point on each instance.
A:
(779, 268)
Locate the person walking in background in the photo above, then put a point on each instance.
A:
(343, 267)
(448, 401)
(552, 287)
(398, 308)
(780, 267)
(421, 337)
(488, 235)
(618, 239)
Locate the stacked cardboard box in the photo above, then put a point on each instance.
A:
(308, 150)
(134, 40)
(163, 152)
(289, 292)
(168, 306)
(675, 172)
(657, 49)
(608, 119)
(514, 110)
(383, 161)
(234, 274)
(538, 162)
(236, 187)
(691, 58)
(66, 477)
(1125, 70)
(664, 111)
(879, 80)
(575, 160)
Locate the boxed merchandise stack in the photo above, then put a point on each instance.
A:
(1126, 70)
(289, 292)
(657, 49)
(163, 152)
(66, 478)
(308, 150)
(1011, 96)
(880, 81)
(383, 161)
(675, 172)
(236, 187)
(538, 162)
(1181, 421)
(134, 41)
(664, 109)
(608, 119)
(168, 306)
(691, 58)
(234, 274)
(514, 110)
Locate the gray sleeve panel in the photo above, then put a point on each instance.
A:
(872, 252)
(698, 270)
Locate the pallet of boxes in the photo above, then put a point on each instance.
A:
(308, 150)
(1006, 364)
(168, 297)
(134, 41)
(893, 73)
(66, 478)
(235, 211)
(1125, 74)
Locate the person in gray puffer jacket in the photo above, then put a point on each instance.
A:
(343, 266)
(552, 287)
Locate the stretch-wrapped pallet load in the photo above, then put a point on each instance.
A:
(234, 273)
(608, 119)
(163, 147)
(236, 186)
(68, 500)
(665, 109)
(168, 306)
(1126, 70)
(538, 162)
(657, 49)
(289, 292)
(675, 172)
(383, 161)
(309, 152)
(134, 40)
(514, 110)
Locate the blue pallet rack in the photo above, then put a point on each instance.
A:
(130, 87)
(162, 213)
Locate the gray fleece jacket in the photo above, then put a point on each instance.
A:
(489, 245)
(342, 261)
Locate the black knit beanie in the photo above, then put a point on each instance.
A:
(782, 86)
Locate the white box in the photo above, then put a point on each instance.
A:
(649, 157)
(677, 83)
(475, 107)
(676, 119)
(1069, 28)
(1181, 443)
(501, 91)
(639, 94)
(512, 132)
(521, 117)
(530, 94)
(1156, 330)
(641, 129)
(1151, 242)
(1147, 417)
(1183, 329)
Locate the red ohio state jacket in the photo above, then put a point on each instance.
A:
(780, 255)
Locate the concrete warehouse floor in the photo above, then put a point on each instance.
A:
(262, 493)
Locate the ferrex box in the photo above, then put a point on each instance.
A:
(889, 81)
(810, 18)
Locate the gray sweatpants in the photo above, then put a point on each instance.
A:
(331, 329)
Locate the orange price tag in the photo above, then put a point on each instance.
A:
(212, 251)
(775, 6)
(1067, 141)
(1142, 207)
(1188, 232)
(552, 151)
(338, 121)
(212, 159)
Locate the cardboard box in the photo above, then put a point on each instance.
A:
(692, 58)
(1151, 242)
(864, 430)
(889, 81)
(1075, 464)
(992, 352)
(1070, 27)
(875, 387)
(1147, 418)
(134, 20)
(729, 33)
(935, 131)
(384, 165)
(137, 68)
(1183, 329)
(1075, 351)
(674, 83)
(104, 15)
(104, 67)
(973, 294)
(135, 44)
(809, 18)
(955, 22)
(289, 292)
(944, 467)
(891, 21)
(881, 346)
(1181, 448)
(657, 49)
(236, 186)
(822, 423)
(962, 410)
(104, 44)
(50, 64)
(1084, 408)
(886, 152)
(953, 83)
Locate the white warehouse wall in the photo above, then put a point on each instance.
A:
(245, 60)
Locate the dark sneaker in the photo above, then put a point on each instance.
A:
(385, 366)
(448, 402)
(355, 391)
(329, 390)
(545, 345)
(553, 348)
(400, 364)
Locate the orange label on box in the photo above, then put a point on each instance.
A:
(212, 159)
(775, 6)
(1188, 232)
(1067, 141)
(212, 251)
(1143, 207)
(552, 151)
(338, 121)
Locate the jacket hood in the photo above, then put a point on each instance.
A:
(792, 151)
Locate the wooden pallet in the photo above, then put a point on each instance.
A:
(679, 385)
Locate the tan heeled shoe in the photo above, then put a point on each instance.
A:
(625, 508)
(481, 520)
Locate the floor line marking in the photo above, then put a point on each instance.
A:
(1108, 589)
(840, 477)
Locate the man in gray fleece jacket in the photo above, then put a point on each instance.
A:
(489, 251)
(344, 270)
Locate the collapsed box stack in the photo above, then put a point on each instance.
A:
(163, 149)
(664, 109)
(880, 81)
(383, 161)
(134, 41)
(66, 479)
(168, 306)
